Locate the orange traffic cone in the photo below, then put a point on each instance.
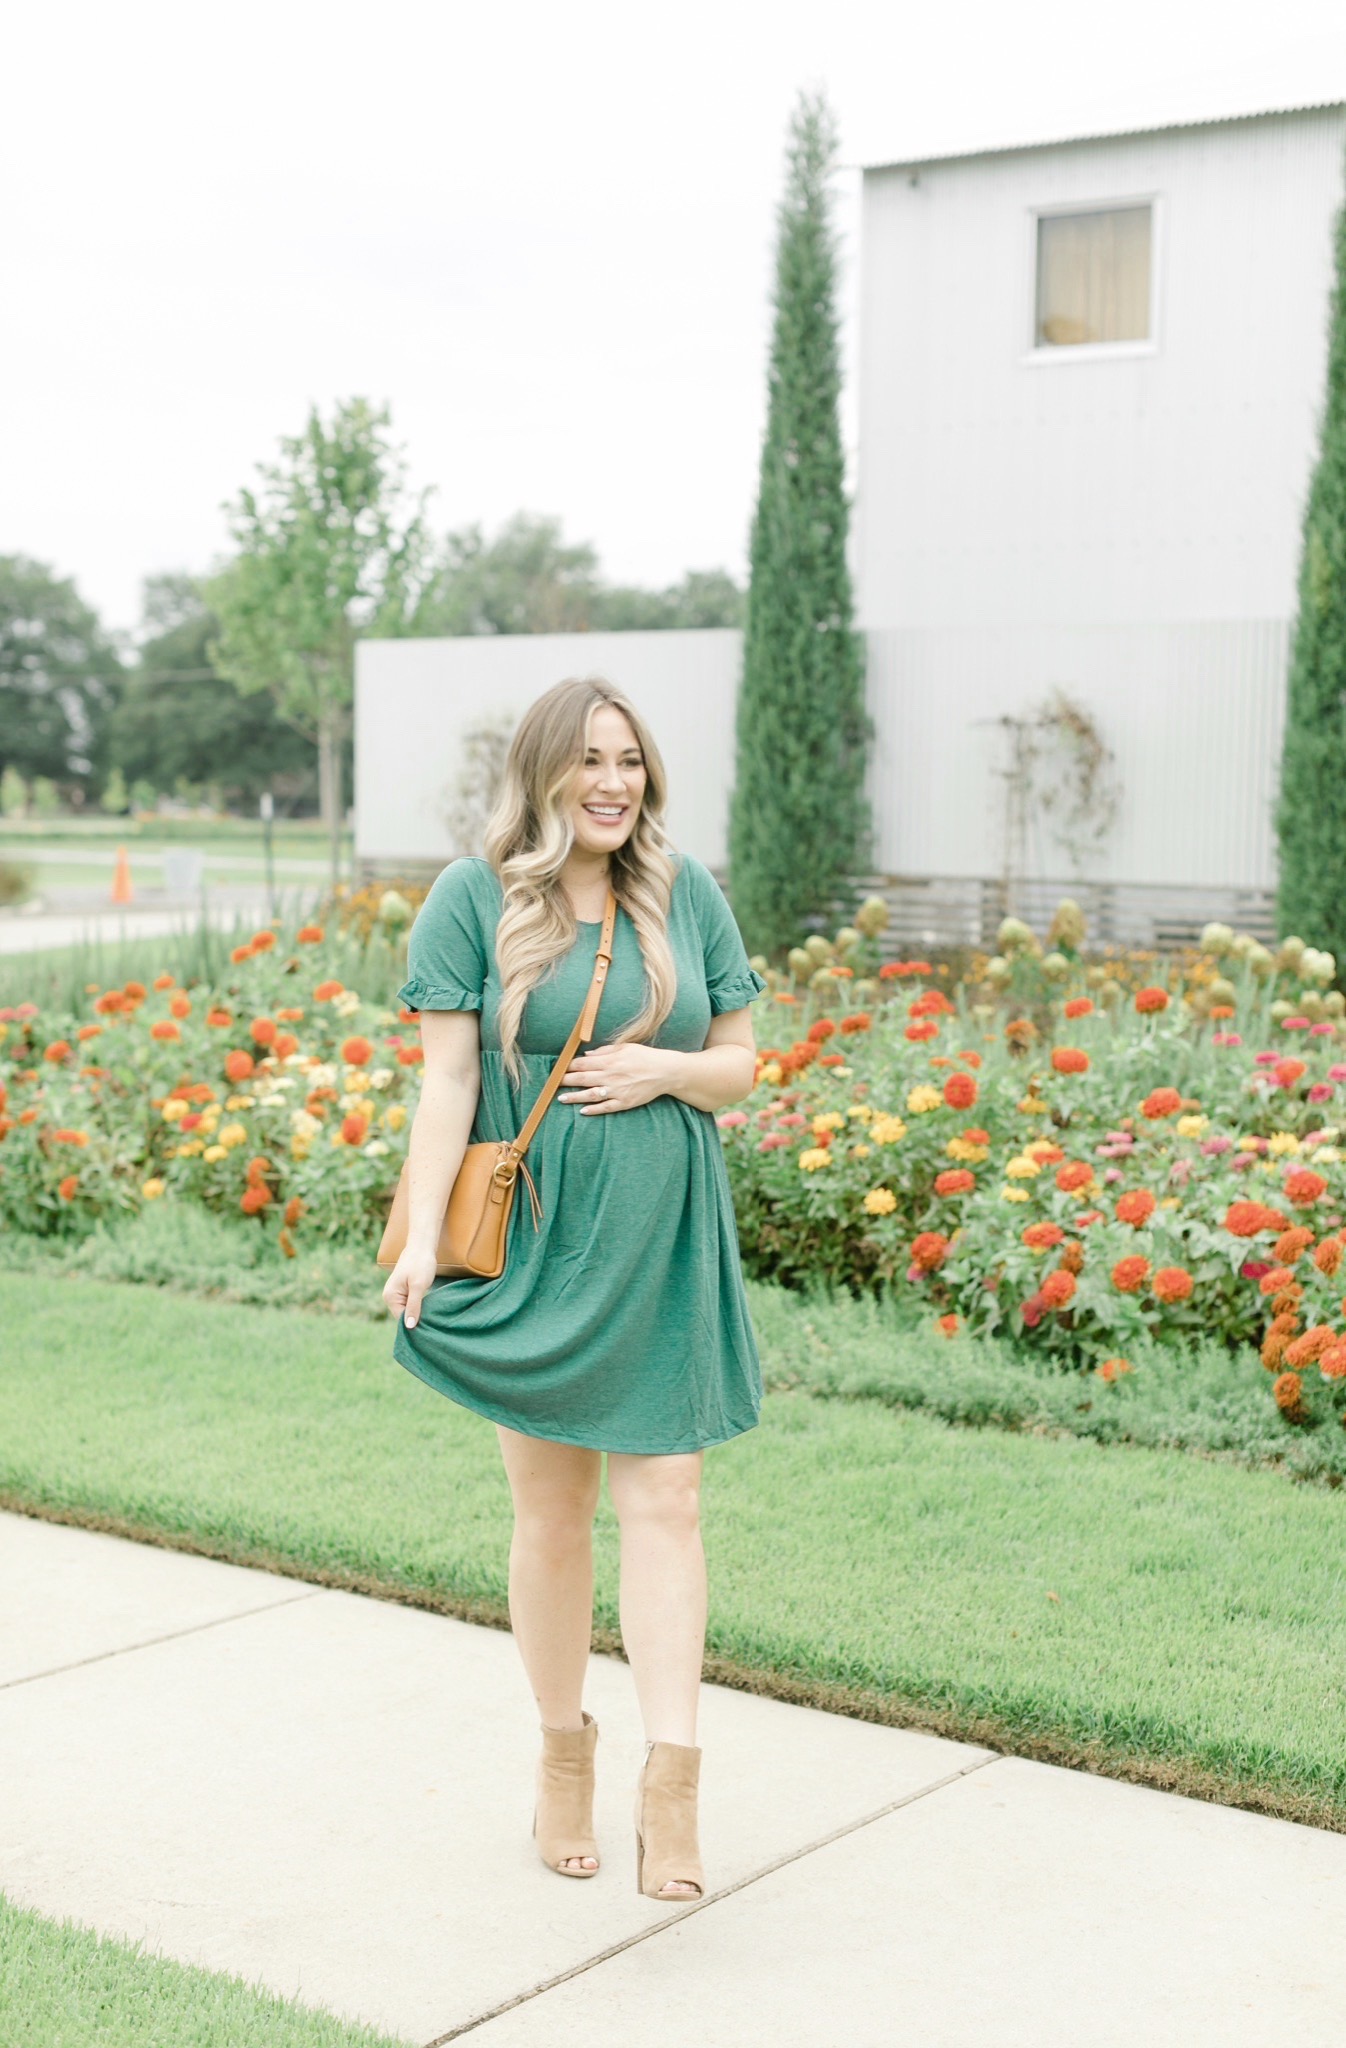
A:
(122, 892)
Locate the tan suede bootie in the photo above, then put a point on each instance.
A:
(563, 1819)
(667, 1851)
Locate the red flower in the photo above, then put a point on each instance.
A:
(59, 1049)
(948, 1327)
(1068, 1059)
(1161, 1102)
(929, 1250)
(1151, 1000)
(405, 1016)
(1058, 1288)
(1079, 1006)
(970, 1059)
(1040, 1237)
(1172, 1283)
(859, 1020)
(66, 1188)
(1074, 1176)
(1129, 1275)
(925, 1028)
(166, 1029)
(409, 1056)
(262, 1030)
(823, 1028)
(1135, 1208)
(958, 1181)
(354, 1130)
(238, 1065)
(973, 1135)
(1303, 1187)
(960, 1091)
(1289, 1071)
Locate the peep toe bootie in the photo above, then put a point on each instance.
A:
(667, 1850)
(563, 1819)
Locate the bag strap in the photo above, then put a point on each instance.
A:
(583, 1031)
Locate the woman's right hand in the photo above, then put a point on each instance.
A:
(407, 1285)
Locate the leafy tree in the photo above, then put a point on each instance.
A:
(114, 799)
(1311, 812)
(60, 677)
(799, 825)
(328, 549)
(13, 793)
(528, 579)
(180, 724)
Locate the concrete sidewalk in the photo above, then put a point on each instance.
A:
(333, 1796)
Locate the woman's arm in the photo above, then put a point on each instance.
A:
(439, 1135)
(624, 1076)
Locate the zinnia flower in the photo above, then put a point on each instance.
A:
(960, 1091)
(929, 1250)
(66, 1137)
(262, 942)
(1041, 1237)
(879, 1202)
(151, 1189)
(1161, 1102)
(1130, 1274)
(1327, 1256)
(254, 1198)
(66, 1188)
(1113, 1368)
(409, 1056)
(1135, 1208)
(948, 1327)
(1286, 1393)
(262, 1030)
(923, 1099)
(1291, 1245)
(1078, 1006)
(1151, 1000)
(859, 1020)
(59, 1049)
(1074, 1177)
(957, 1181)
(180, 1006)
(219, 1020)
(309, 935)
(164, 1028)
(821, 1029)
(925, 1028)
(1172, 1283)
(238, 1065)
(326, 990)
(1068, 1059)
(1058, 1288)
(1309, 1348)
(355, 1129)
(1250, 1219)
(1304, 1187)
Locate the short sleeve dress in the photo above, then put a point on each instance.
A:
(621, 1323)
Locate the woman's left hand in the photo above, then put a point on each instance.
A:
(617, 1077)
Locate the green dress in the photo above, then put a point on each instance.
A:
(621, 1323)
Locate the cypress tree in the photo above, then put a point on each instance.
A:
(799, 826)
(1311, 813)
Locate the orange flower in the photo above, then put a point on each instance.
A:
(88, 1031)
(240, 954)
(59, 1049)
(1079, 1006)
(1309, 1348)
(947, 1326)
(1058, 1288)
(409, 1055)
(357, 1052)
(1286, 1393)
(1161, 1102)
(1173, 1283)
(821, 1029)
(960, 1091)
(1303, 1187)
(929, 1250)
(974, 1135)
(309, 935)
(262, 1030)
(1219, 1011)
(970, 1059)
(1045, 1153)
(238, 1065)
(1291, 1245)
(957, 1181)
(1074, 1176)
(257, 1168)
(1135, 1208)
(262, 942)
(1113, 1368)
(64, 1137)
(1021, 1031)
(27, 1116)
(405, 1016)
(1327, 1256)
(924, 1029)
(1287, 1072)
(354, 1130)
(1068, 1059)
(1250, 1219)
(290, 1016)
(164, 1028)
(180, 1006)
(1042, 1237)
(134, 991)
(109, 1003)
(254, 1198)
(1272, 1282)
(859, 1020)
(325, 991)
(66, 1188)
(294, 1209)
(1072, 1257)
(285, 1044)
(287, 1243)
(1151, 1000)
(219, 1020)
(162, 981)
(1332, 1364)
(1129, 1275)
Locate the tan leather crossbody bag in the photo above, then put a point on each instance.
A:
(476, 1222)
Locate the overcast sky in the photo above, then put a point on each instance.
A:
(542, 233)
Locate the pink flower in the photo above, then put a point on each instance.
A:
(1119, 1138)
(1180, 1173)
(1321, 1091)
(1226, 1038)
(1321, 1030)
(1114, 1173)
(772, 1141)
(1313, 1137)
(1213, 1147)
(1113, 1151)
(794, 1121)
(1253, 1269)
(1296, 1023)
(731, 1119)
(1336, 1073)
(1242, 1161)
(1266, 1059)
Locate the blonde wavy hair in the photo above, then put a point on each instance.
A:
(530, 833)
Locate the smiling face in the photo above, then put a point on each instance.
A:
(611, 783)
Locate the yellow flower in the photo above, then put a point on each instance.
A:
(1023, 1168)
(887, 1130)
(1191, 1126)
(830, 1120)
(862, 1112)
(968, 1155)
(355, 1105)
(809, 1162)
(771, 1074)
(395, 1115)
(1282, 1143)
(1014, 1194)
(1248, 1144)
(214, 1152)
(861, 1151)
(173, 1109)
(1032, 1105)
(1037, 1145)
(1170, 1202)
(1268, 1166)
(238, 1101)
(880, 1202)
(357, 1080)
(151, 1189)
(210, 1116)
(191, 1148)
(923, 1099)
(300, 1147)
(1326, 1155)
(231, 1135)
(841, 1073)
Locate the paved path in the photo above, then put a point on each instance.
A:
(89, 922)
(332, 1795)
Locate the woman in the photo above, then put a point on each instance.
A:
(620, 1323)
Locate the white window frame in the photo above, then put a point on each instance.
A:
(1034, 357)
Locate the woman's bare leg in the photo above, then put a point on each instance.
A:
(551, 1571)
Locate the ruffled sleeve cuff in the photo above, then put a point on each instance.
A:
(736, 994)
(438, 995)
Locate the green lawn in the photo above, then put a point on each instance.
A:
(61, 1986)
(1142, 1612)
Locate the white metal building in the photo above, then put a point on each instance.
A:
(1090, 377)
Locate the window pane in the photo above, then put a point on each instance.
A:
(1093, 277)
